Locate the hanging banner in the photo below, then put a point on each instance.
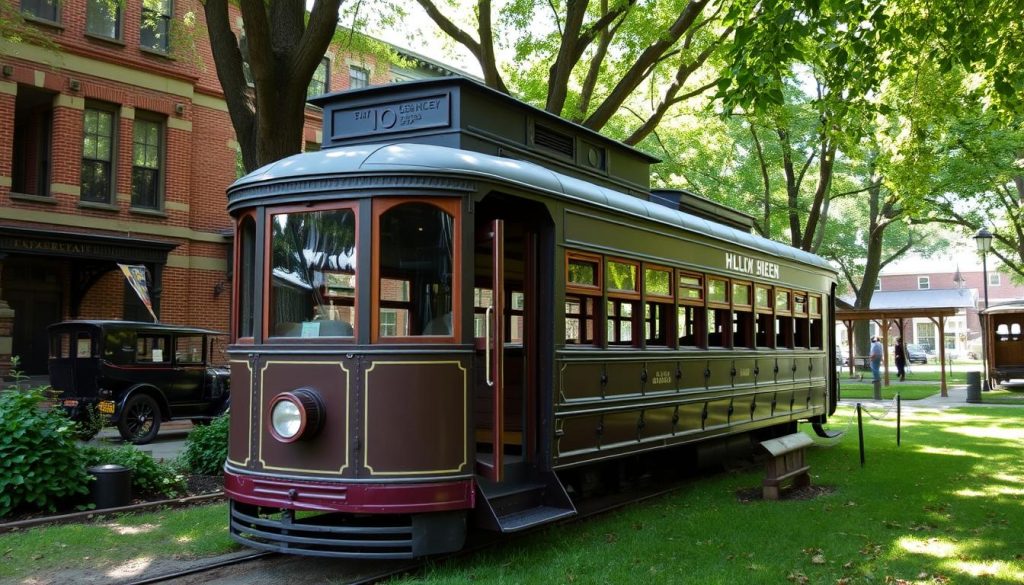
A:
(136, 275)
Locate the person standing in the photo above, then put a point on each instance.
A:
(901, 359)
(875, 358)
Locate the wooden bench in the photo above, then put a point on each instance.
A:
(785, 462)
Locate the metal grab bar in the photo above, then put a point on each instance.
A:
(487, 346)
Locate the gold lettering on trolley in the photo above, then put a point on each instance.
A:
(662, 377)
(751, 266)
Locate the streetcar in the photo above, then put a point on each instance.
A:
(463, 312)
(1001, 326)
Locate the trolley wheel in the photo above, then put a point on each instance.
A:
(140, 419)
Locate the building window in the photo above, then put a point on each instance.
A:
(994, 279)
(41, 9)
(923, 283)
(925, 334)
(358, 77)
(33, 131)
(320, 83)
(878, 284)
(97, 155)
(147, 147)
(156, 25)
(243, 47)
(103, 18)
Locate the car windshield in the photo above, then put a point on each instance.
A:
(913, 347)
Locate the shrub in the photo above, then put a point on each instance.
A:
(207, 447)
(149, 478)
(41, 466)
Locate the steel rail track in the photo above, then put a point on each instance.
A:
(481, 541)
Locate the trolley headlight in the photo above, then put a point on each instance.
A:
(296, 414)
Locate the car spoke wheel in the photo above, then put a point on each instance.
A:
(140, 419)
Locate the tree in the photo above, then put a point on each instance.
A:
(585, 60)
(285, 45)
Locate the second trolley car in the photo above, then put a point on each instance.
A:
(461, 304)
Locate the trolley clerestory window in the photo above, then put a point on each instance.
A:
(313, 273)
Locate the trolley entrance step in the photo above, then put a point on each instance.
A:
(518, 504)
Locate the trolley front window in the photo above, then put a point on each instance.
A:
(313, 273)
(416, 260)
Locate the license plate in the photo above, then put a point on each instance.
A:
(70, 403)
(106, 407)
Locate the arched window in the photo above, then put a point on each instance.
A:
(415, 271)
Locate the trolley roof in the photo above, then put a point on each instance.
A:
(371, 163)
(1016, 306)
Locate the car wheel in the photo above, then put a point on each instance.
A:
(139, 420)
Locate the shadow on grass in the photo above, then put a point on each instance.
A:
(945, 507)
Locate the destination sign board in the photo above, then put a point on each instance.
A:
(385, 118)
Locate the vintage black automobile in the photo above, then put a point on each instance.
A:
(137, 373)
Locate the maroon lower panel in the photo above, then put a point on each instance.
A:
(380, 498)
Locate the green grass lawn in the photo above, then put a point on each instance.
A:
(861, 390)
(1002, 396)
(945, 507)
(112, 542)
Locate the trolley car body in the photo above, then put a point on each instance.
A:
(461, 299)
(1001, 324)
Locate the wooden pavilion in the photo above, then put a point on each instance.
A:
(896, 308)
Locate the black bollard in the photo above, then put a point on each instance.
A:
(860, 434)
(898, 417)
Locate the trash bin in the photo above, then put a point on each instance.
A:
(112, 487)
(973, 386)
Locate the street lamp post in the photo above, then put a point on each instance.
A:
(984, 241)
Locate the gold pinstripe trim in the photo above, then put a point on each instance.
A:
(366, 418)
(348, 408)
(248, 390)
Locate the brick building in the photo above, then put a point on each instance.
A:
(116, 147)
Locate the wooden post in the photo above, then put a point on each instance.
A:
(849, 344)
(885, 351)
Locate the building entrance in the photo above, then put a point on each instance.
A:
(32, 289)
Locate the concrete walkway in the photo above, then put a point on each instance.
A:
(168, 444)
(957, 398)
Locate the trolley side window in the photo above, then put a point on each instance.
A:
(801, 322)
(817, 325)
(764, 326)
(623, 282)
(690, 316)
(583, 277)
(783, 319)
(246, 268)
(415, 261)
(742, 315)
(313, 273)
(658, 305)
(719, 316)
